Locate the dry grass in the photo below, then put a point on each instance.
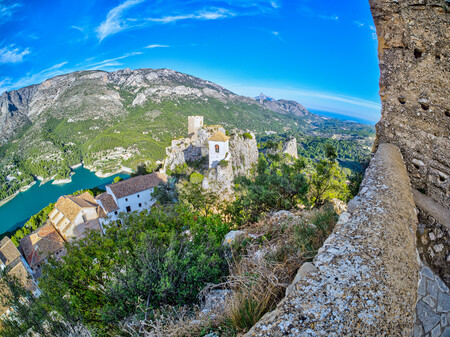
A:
(276, 249)
(177, 322)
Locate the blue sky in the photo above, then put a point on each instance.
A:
(320, 53)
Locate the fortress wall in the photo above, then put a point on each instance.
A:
(414, 55)
(366, 275)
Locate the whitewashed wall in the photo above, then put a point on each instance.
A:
(214, 157)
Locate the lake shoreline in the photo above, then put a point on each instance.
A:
(18, 207)
(63, 181)
(11, 197)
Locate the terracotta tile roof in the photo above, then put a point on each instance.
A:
(108, 203)
(71, 205)
(40, 244)
(137, 184)
(219, 136)
(101, 213)
(8, 251)
(18, 270)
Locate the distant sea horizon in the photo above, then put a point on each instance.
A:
(342, 116)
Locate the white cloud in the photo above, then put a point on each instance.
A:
(113, 64)
(77, 28)
(164, 12)
(110, 61)
(374, 32)
(12, 54)
(114, 22)
(55, 70)
(214, 14)
(276, 33)
(330, 17)
(7, 9)
(4, 84)
(359, 24)
(151, 46)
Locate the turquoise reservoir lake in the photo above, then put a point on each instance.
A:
(17, 211)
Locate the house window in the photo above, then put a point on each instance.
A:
(115, 213)
(216, 147)
(126, 199)
(138, 195)
(128, 209)
(140, 205)
(84, 218)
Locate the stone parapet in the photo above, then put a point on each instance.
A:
(367, 272)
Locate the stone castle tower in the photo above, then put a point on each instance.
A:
(194, 123)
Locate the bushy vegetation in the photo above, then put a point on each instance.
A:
(279, 184)
(276, 185)
(149, 267)
(164, 257)
(351, 153)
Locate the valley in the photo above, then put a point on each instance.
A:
(115, 121)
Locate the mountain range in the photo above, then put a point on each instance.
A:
(122, 118)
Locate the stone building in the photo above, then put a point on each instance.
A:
(73, 215)
(218, 146)
(19, 270)
(38, 246)
(133, 194)
(10, 254)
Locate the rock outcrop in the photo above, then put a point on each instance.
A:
(243, 155)
(290, 147)
(192, 148)
(365, 277)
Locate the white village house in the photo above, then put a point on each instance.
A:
(133, 194)
(74, 214)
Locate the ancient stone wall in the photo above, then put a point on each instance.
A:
(364, 280)
(414, 55)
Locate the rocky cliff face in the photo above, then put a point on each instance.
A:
(284, 106)
(290, 147)
(243, 155)
(414, 54)
(13, 112)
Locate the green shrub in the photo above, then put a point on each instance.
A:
(162, 257)
(247, 135)
(309, 237)
(223, 163)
